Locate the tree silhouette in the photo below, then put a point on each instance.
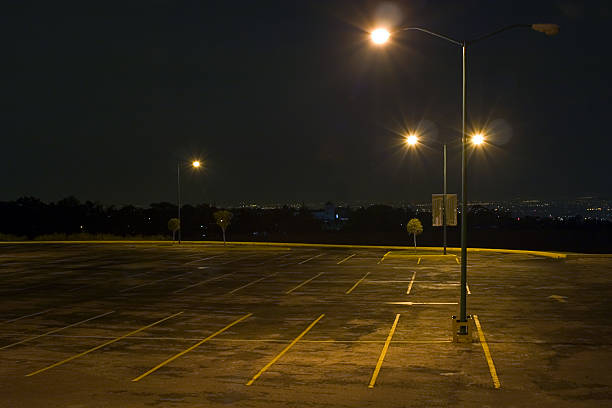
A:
(223, 218)
(173, 225)
(415, 228)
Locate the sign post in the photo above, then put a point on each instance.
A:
(444, 212)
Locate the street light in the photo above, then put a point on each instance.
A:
(196, 165)
(378, 36)
(478, 139)
(412, 140)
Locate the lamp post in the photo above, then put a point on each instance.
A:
(381, 36)
(195, 164)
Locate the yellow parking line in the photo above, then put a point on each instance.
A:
(384, 351)
(305, 282)
(421, 303)
(306, 260)
(252, 283)
(160, 365)
(560, 299)
(346, 259)
(275, 359)
(419, 261)
(485, 348)
(55, 330)
(102, 345)
(411, 283)
(357, 283)
(383, 257)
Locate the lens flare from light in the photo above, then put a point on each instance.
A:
(196, 163)
(412, 139)
(478, 139)
(380, 36)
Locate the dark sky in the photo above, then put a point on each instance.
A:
(288, 101)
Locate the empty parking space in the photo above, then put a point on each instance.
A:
(274, 326)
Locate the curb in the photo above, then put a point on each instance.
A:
(546, 254)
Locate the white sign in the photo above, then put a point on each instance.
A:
(451, 209)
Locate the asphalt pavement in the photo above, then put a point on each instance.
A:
(144, 325)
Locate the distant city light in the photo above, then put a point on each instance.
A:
(380, 36)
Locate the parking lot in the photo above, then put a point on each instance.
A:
(141, 325)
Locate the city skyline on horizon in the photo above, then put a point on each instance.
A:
(355, 203)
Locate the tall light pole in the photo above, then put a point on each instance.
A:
(381, 36)
(444, 202)
(195, 164)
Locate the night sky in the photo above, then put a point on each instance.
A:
(288, 101)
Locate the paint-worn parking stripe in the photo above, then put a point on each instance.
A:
(305, 282)
(383, 352)
(487, 353)
(203, 282)
(160, 365)
(346, 259)
(24, 317)
(306, 260)
(275, 359)
(55, 330)
(203, 259)
(411, 283)
(271, 260)
(357, 283)
(59, 363)
(239, 259)
(251, 283)
(153, 282)
(94, 284)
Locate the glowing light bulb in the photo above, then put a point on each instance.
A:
(380, 36)
(412, 139)
(478, 139)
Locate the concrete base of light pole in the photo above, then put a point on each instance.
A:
(463, 331)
